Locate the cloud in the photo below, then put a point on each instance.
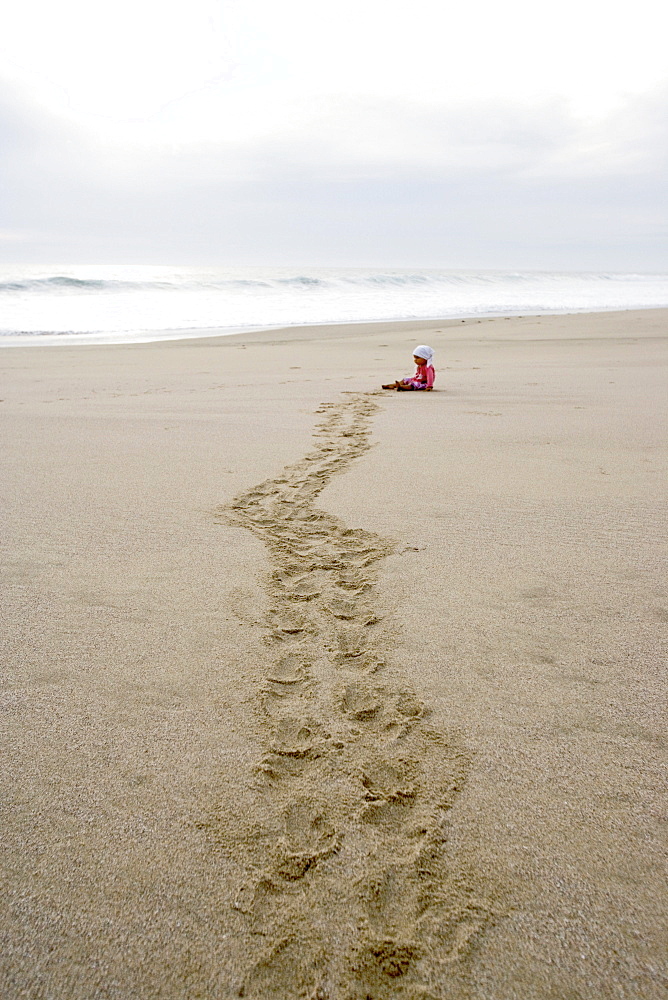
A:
(359, 181)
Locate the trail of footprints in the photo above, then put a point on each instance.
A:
(351, 893)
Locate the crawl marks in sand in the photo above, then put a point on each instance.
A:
(351, 891)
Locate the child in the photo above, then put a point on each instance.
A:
(424, 372)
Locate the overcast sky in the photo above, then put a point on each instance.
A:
(356, 132)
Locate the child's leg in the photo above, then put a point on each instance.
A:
(392, 385)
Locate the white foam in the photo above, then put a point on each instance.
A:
(106, 304)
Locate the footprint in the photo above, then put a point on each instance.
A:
(389, 896)
(351, 643)
(305, 588)
(353, 582)
(309, 837)
(350, 609)
(409, 706)
(290, 678)
(341, 607)
(361, 702)
(258, 899)
(378, 964)
(387, 781)
(290, 669)
(278, 769)
(287, 621)
(285, 969)
(454, 926)
(298, 737)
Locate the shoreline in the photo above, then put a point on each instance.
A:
(61, 340)
(464, 609)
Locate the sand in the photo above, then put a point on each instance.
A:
(314, 690)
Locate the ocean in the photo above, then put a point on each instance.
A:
(86, 304)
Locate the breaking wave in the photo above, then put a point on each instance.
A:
(69, 283)
(109, 303)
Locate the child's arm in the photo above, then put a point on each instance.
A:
(430, 378)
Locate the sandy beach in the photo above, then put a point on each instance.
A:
(311, 690)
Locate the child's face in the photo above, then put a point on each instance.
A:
(419, 361)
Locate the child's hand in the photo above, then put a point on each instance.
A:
(429, 388)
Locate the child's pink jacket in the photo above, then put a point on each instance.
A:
(424, 376)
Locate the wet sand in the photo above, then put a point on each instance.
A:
(315, 690)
